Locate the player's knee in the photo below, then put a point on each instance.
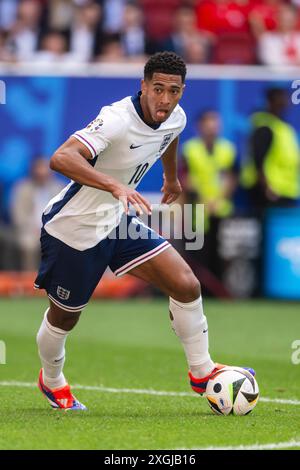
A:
(68, 322)
(187, 288)
(59, 318)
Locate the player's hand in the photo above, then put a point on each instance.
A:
(171, 190)
(131, 196)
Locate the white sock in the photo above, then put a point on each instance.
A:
(190, 325)
(51, 346)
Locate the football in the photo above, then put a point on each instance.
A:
(232, 390)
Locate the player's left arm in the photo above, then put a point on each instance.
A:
(171, 187)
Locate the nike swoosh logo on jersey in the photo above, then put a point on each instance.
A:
(135, 146)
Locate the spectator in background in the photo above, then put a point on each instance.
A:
(158, 21)
(196, 50)
(112, 50)
(272, 168)
(264, 16)
(8, 13)
(85, 32)
(226, 22)
(60, 14)
(210, 179)
(210, 162)
(54, 49)
(282, 46)
(223, 16)
(24, 36)
(29, 198)
(5, 54)
(133, 35)
(186, 40)
(113, 11)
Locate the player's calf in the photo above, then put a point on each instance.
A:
(190, 325)
(51, 339)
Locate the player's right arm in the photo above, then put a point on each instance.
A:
(71, 160)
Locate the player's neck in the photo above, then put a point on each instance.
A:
(143, 111)
(146, 113)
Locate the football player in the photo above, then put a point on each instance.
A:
(105, 162)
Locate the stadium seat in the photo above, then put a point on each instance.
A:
(235, 48)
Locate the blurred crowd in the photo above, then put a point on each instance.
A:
(202, 31)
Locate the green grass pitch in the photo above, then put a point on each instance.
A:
(123, 348)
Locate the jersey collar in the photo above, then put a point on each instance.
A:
(137, 105)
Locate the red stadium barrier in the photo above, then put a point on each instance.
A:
(15, 284)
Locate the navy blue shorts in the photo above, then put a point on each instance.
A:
(70, 276)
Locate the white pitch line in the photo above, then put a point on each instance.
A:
(272, 446)
(281, 401)
(139, 391)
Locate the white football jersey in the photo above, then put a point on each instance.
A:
(122, 145)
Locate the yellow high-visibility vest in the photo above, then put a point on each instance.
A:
(205, 170)
(282, 163)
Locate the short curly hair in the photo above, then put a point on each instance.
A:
(165, 62)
